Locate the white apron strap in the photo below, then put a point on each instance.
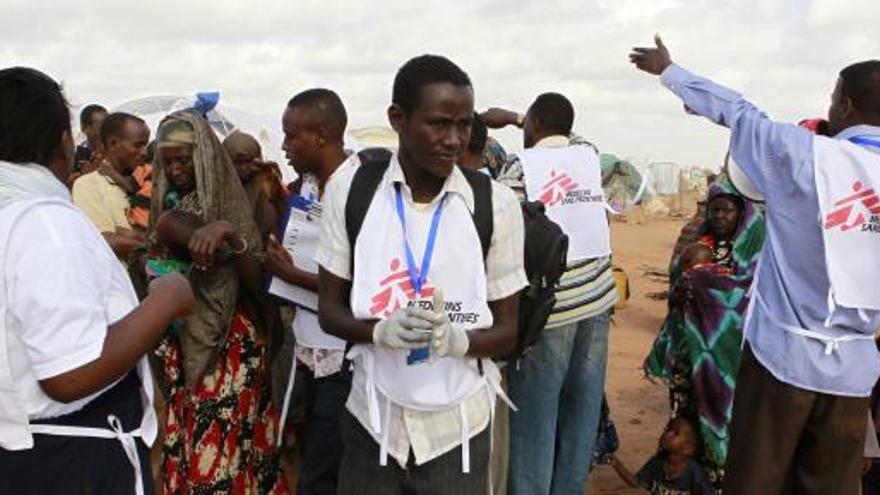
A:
(832, 344)
(383, 446)
(465, 439)
(115, 432)
(286, 405)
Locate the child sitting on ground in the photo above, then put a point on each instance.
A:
(673, 470)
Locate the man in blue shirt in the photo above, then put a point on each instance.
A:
(808, 365)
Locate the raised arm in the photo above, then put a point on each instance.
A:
(766, 150)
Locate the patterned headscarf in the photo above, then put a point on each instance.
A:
(221, 197)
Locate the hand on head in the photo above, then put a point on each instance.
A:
(653, 60)
(497, 118)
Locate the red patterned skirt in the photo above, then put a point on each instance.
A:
(220, 436)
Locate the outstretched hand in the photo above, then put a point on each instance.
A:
(651, 60)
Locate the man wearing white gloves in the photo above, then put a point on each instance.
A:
(421, 262)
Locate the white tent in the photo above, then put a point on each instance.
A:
(224, 119)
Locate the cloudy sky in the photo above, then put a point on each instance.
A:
(784, 54)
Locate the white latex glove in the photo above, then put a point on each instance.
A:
(446, 340)
(407, 328)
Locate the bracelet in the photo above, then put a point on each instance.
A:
(243, 248)
(520, 120)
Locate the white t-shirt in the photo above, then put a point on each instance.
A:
(64, 288)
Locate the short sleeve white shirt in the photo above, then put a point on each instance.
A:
(64, 288)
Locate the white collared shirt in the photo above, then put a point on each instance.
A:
(428, 434)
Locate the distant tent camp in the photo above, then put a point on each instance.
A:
(624, 185)
(372, 137)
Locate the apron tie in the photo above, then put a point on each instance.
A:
(832, 344)
(383, 448)
(286, 405)
(465, 440)
(114, 432)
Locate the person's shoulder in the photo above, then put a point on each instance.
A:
(503, 195)
(50, 224)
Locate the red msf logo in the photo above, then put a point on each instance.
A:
(395, 288)
(556, 188)
(854, 210)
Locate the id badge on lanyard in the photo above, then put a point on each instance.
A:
(418, 276)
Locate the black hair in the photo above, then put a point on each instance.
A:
(33, 116)
(329, 107)
(85, 116)
(554, 112)
(115, 123)
(421, 71)
(479, 135)
(860, 82)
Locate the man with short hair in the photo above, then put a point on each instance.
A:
(314, 128)
(89, 154)
(76, 411)
(810, 360)
(558, 385)
(124, 138)
(427, 293)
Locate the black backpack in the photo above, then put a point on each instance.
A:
(546, 251)
(545, 243)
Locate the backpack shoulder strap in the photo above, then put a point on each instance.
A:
(363, 187)
(481, 184)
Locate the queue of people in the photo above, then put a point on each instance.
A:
(174, 264)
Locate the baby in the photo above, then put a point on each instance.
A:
(673, 470)
(695, 255)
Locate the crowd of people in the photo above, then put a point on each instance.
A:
(395, 291)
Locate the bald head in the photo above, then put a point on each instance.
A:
(322, 110)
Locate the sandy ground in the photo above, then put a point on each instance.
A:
(639, 408)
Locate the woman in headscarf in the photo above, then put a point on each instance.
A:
(698, 349)
(220, 427)
(263, 190)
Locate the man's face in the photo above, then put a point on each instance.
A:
(93, 130)
(129, 149)
(302, 142)
(178, 166)
(437, 130)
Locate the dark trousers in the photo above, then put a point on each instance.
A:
(788, 440)
(77, 465)
(325, 403)
(361, 473)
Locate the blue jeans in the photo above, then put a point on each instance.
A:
(558, 387)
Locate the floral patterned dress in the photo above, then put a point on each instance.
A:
(220, 436)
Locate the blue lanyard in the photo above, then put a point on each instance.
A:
(865, 141)
(419, 277)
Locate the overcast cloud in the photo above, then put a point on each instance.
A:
(784, 54)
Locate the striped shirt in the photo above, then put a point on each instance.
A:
(586, 288)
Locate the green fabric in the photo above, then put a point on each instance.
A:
(699, 347)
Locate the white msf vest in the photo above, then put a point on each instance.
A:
(569, 183)
(848, 186)
(304, 247)
(16, 432)
(381, 285)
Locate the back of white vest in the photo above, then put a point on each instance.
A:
(568, 181)
(848, 187)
